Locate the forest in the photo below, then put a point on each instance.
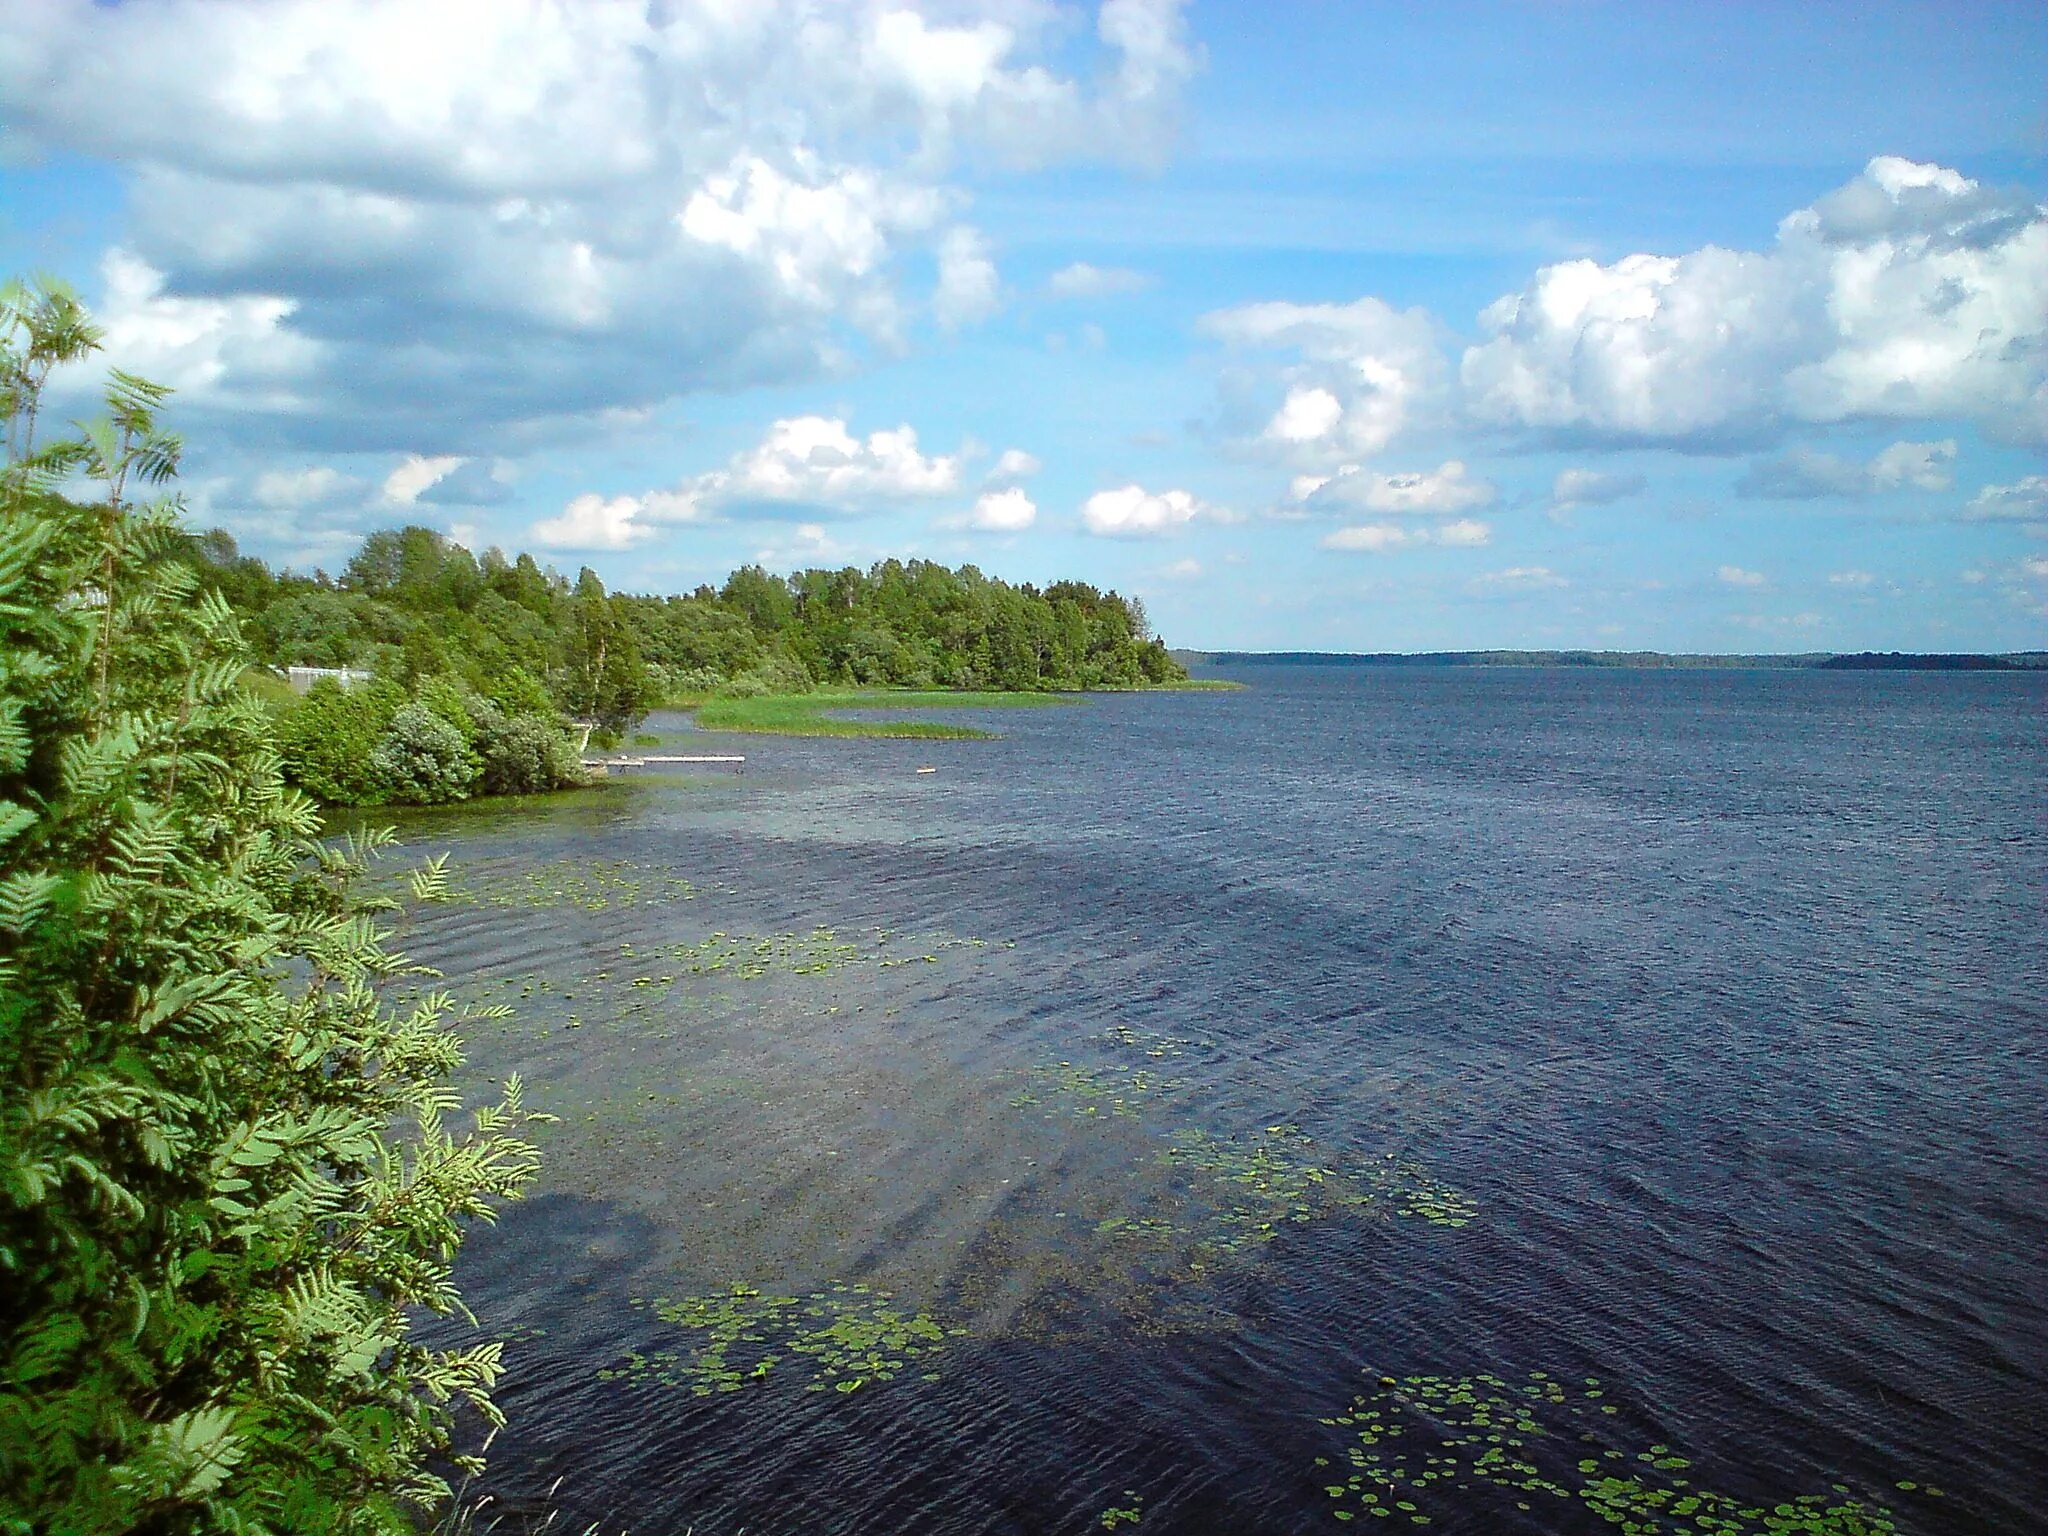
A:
(476, 662)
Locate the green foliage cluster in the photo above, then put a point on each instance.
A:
(230, 1176)
(1533, 1441)
(373, 744)
(411, 605)
(904, 624)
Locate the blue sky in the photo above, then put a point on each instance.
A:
(1317, 325)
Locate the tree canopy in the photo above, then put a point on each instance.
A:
(411, 604)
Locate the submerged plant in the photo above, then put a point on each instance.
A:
(595, 885)
(843, 1338)
(821, 952)
(1257, 1183)
(1087, 1092)
(1150, 1043)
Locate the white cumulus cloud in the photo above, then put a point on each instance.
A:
(1736, 576)
(314, 487)
(1012, 465)
(1132, 512)
(375, 220)
(2024, 501)
(417, 474)
(814, 461)
(1448, 489)
(969, 286)
(236, 353)
(1004, 511)
(594, 522)
(801, 464)
(1463, 533)
(1910, 293)
(1922, 466)
(1806, 473)
(1361, 374)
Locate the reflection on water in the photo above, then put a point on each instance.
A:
(1549, 1101)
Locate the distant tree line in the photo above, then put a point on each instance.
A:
(1652, 661)
(478, 660)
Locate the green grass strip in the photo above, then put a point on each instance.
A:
(803, 714)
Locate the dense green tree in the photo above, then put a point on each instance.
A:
(606, 683)
(229, 1176)
(329, 740)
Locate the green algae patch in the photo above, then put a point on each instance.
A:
(1538, 1442)
(841, 1339)
(804, 714)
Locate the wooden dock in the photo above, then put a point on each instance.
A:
(604, 766)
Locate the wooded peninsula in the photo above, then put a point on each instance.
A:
(458, 671)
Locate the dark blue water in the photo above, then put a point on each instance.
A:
(1683, 1031)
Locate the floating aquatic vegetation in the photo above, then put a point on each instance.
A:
(843, 1338)
(749, 957)
(1535, 1441)
(1225, 1197)
(1129, 1514)
(1150, 1043)
(1256, 1184)
(1089, 1092)
(592, 884)
(1417, 1193)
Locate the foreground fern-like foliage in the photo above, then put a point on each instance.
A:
(228, 1174)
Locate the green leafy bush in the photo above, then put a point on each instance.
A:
(329, 738)
(229, 1176)
(423, 760)
(524, 755)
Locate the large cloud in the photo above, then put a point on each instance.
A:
(1361, 374)
(803, 465)
(410, 223)
(1910, 293)
(1132, 512)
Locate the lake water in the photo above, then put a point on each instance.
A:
(1481, 1098)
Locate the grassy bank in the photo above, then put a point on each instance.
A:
(803, 714)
